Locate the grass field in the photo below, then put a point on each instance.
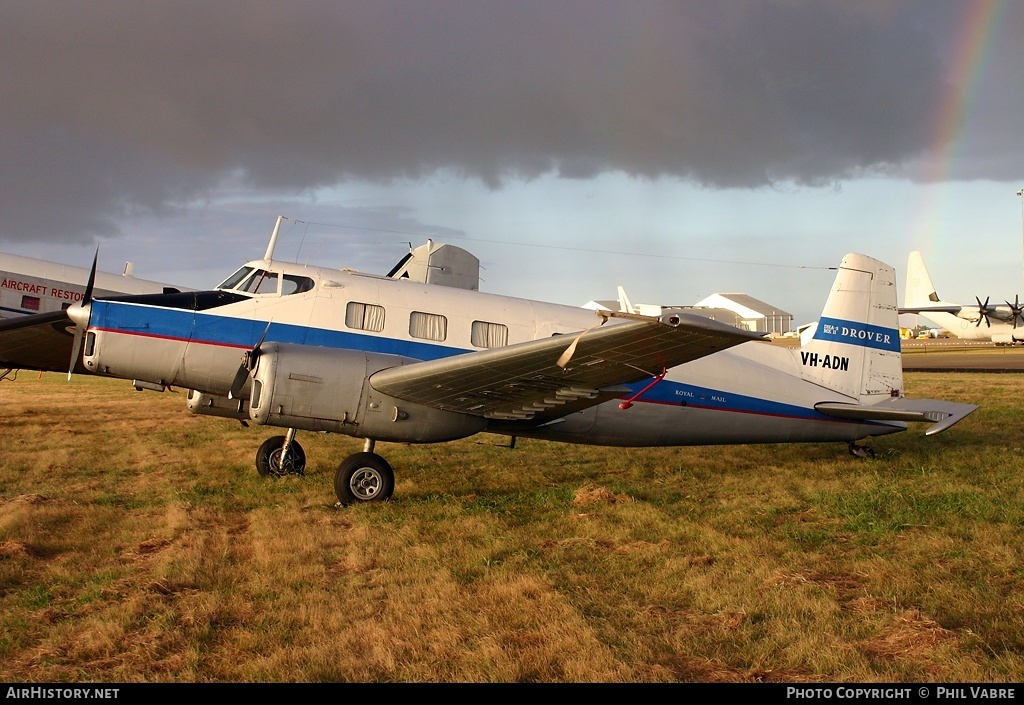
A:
(137, 543)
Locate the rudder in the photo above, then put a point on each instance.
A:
(855, 348)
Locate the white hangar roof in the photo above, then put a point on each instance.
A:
(745, 305)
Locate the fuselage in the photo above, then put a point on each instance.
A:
(996, 330)
(748, 394)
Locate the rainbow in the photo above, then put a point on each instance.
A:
(976, 30)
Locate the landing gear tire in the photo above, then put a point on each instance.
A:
(364, 477)
(269, 462)
(861, 451)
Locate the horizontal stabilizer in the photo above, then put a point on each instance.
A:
(941, 414)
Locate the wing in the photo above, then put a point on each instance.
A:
(545, 379)
(38, 342)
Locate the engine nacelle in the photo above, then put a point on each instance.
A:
(327, 389)
(213, 405)
(1006, 338)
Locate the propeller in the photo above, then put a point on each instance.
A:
(79, 313)
(249, 358)
(983, 312)
(1016, 310)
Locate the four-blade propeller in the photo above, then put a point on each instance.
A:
(1016, 310)
(983, 312)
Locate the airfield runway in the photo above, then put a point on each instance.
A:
(953, 355)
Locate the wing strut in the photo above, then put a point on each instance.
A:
(629, 402)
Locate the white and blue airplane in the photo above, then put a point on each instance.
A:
(397, 360)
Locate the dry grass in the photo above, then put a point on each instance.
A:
(137, 543)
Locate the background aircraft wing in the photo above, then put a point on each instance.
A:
(38, 342)
(951, 308)
(545, 379)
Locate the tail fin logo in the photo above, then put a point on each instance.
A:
(865, 335)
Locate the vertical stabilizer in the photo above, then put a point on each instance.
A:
(444, 265)
(920, 290)
(624, 303)
(855, 348)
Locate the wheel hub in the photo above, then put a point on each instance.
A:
(365, 483)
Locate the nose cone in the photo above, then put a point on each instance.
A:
(79, 313)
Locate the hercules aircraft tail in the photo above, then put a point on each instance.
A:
(855, 350)
(920, 290)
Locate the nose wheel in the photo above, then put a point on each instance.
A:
(272, 460)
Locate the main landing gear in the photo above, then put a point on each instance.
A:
(364, 477)
(861, 451)
(361, 477)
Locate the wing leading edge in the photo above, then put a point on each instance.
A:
(544, 379)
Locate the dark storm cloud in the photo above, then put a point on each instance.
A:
(116, 107)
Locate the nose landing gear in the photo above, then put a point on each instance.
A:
(280, 456)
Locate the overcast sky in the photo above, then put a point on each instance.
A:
(676, 148)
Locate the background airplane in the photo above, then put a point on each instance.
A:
(31, 286)
(1002, 324)
(36, 292)
(392, 359)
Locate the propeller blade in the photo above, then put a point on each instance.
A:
(82, 320)
(238, 382)
(76, 349)
(249, 359)
(87, 297)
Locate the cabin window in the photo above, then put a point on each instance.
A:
(30, 303)
(260, 282)
(364, 316)
(292, 284)
(233, 280)
(489, 335)
(428, 326)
